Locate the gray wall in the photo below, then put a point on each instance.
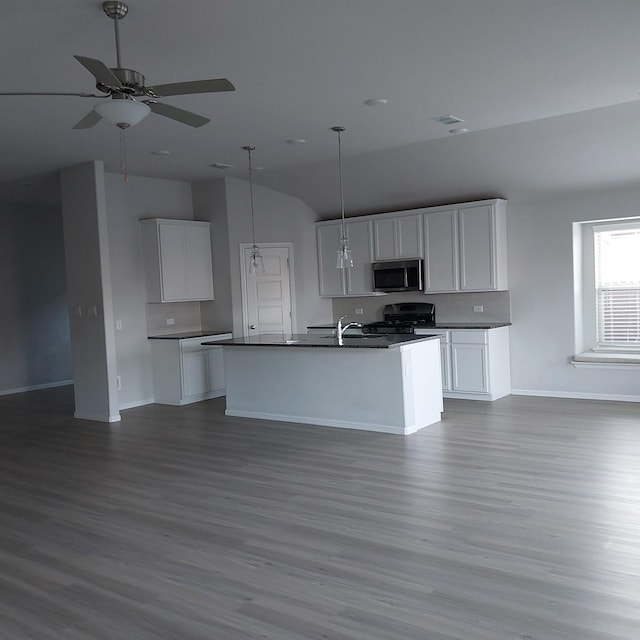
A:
(34, 323)
(278, 218)
(541, 284)
(210, 203)
(127, 203)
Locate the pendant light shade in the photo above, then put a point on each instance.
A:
(123, 113)
(256, 263)
(344, 258)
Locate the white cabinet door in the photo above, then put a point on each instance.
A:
(477, 249)
(445, 363)
(194, 373)
(441, 251)
(173, 273)
(359, 277)
(177, 257)
(398, 237)
(332, 282)
(409, 236)
(198, 267)
(469, 368)
(384, 233)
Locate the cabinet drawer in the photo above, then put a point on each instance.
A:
(461, 336)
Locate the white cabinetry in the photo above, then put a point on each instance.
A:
(397, 237)
(356, 281)
(177, 255)
(466, 247)
(475, 363)
(184, 371)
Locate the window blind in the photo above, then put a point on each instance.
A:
(617, 271)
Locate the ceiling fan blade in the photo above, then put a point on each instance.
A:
(100, 71)
(90, 120)
(169, 111)
(51, 93)
(196, 86)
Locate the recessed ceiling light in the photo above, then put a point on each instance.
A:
(296, 141)
(376, 102)
(221, 165)
(449, 120)
(161, 152)
(455, 132)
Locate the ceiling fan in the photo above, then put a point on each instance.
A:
(131, 100)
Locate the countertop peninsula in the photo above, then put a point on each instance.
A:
(313, 340)
(438, 325)
(184, 335)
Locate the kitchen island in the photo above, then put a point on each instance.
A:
(390, 384)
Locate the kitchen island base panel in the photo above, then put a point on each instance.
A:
(386, 390)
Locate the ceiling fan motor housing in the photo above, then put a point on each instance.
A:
(132, 83)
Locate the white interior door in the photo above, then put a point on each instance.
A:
(267, 295)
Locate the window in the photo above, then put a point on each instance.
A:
(606, 261)
(617, 285)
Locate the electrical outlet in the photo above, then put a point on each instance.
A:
(478, 308)
(359, 312)
(118, 383)
(171, 321)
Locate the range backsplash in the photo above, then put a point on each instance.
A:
(450, 307)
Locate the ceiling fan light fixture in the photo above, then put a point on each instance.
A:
(123, 113)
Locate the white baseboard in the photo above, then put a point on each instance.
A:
(35, 387)
(576, 395)
(315, 421)
(136, 403)
(96, 417)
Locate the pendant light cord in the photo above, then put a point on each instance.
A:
(249, 149)
(339, 130)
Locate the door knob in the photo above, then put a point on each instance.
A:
(252, 326)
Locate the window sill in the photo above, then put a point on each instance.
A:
(607, 360)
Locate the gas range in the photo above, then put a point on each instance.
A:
(404, 317)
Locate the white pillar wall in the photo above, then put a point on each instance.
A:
(84, 216)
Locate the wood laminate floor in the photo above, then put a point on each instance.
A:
(512, 520)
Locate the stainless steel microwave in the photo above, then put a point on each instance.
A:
(397, 275)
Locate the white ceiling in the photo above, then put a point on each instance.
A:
(547, 88)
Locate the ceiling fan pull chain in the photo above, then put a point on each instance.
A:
(123, 156)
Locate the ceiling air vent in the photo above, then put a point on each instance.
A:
(448, 120)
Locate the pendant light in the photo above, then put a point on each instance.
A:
(344, 261)
(256, 263)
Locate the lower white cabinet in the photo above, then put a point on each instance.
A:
(184, 371)
(475, 363)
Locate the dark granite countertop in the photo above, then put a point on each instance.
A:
(311, 340)
(183, 335)
(438, 325)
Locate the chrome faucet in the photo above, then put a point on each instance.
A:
(340, 328)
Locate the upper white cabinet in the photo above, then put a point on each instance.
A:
(356, 281)
(396, 237)
(466, 247)
(177, 255)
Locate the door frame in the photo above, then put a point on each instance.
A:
(243, 280)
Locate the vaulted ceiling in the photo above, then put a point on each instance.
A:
(548, 90)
